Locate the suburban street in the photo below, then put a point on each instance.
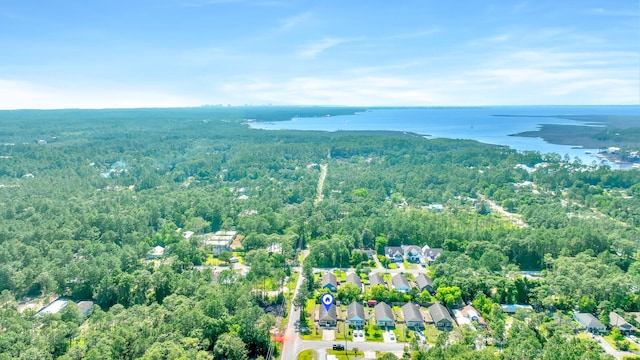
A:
(291, 342)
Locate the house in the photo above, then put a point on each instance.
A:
(384, 315)
(589, 323)
(328, 318)
(619, 322)
(54, 307)
(368, 252)
(412, 316)
(413, 253)
(376, 279)
(400, 283)
(425, 283)
(355, 280)
(85, 307)
(468, 315)
(441, 317)
(394, 253)
(156, 252)
(430, 255)
(329, 281)
(220, 241)
(355, 314)
(436, 208)
(512, 308)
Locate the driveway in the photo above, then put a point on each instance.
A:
(389, 337)
(609, 349)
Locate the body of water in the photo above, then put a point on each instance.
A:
(483, 124)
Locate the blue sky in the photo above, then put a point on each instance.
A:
(147, 53)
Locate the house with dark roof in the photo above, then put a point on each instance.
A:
(376, 279)
(355, 280)
(329, 281)
(425, 283)
(328, 318)
(85, 307)
(412, 316)
(619, 322)
(355, 314)
(412, 253)
(394, 253)
(589, 323)
(441, 317)
(384, 315)
(400, 283)
(430, 255)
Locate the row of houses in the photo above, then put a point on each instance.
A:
(591, 324)
(412, 314)
(399, 281)
(412, 253)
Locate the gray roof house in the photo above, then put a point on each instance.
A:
(328, 318)
(589, 322)
(354, 279)
(394, 253)
(424, 283)
(400, 283)
(430, 255)
(412, 253)
(441, 317)
(619, 322)
(329, 281)
(376, 279)
(384, 315)
(355, 314)
(85, 307)
(412, 316)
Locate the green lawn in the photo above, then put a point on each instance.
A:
(609, 339)
(373, 333)
(400, 331)
(432, 333)
(341, 354)
(308, 355)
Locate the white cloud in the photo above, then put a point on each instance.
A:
(25, 95)
(314, 49)
(293, 21)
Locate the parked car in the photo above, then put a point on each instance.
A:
(338, 347)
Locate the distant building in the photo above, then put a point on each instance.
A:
(85, 307)
(589, 323)
(394, 253)
(329, 281)
(355, 280)
(355, 314)
(430, 255)
(327, 318)
(412, 316)
(220, 241)
(54, 307)
(619, 322)
(468, 315)
(413, 253)
(400, 283)
(156, 252)
(437, 208)
(512, 308)
(441, 317)
(384, 315)
(376, 279)
(425, 283)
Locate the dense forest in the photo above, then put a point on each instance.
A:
(85, 194)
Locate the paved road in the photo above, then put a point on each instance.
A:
(362, 346)
(609, 349)
(291, 338)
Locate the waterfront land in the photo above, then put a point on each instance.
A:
(195, 236)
